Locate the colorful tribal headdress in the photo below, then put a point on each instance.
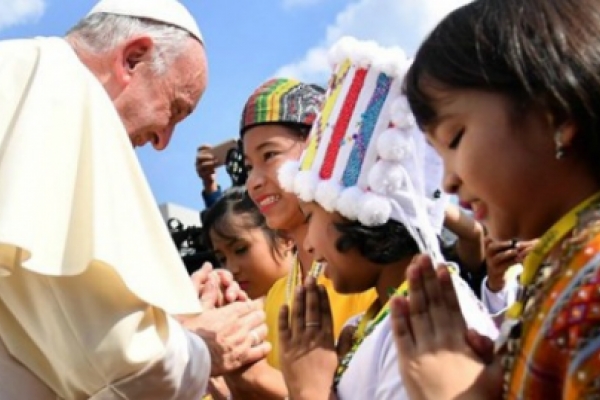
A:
(282, 101)
(366, 158)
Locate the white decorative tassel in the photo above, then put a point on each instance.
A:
(401, 116)
(394, 144)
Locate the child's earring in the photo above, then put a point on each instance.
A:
(290, 248)
(560, 147)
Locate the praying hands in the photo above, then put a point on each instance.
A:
(431, 334)
(308, 353)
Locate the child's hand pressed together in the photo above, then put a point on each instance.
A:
(308, 353)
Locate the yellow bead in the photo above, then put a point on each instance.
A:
(515, 310)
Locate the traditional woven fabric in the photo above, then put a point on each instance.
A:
(282, 101)
(554, 353)
(365, 158)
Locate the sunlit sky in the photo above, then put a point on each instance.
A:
(247, 42)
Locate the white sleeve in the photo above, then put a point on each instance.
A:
(89, 336)
(497, 303)
(182, 374)
(389, 385)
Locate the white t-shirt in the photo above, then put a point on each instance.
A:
(373, 371)
(497, 303)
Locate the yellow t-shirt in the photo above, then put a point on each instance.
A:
(343, 308)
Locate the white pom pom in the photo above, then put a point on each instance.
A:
(348, 203)
(391, 62)
(404, 66)
(374, 210)
(334, 57)
(400, 105)
(366, 53)
(327, 194)
(394, 145)
(401, 116)
(388, 178)
(287, 175)
(305, 185)
(398, 54)
(344, 48)
(383, 63)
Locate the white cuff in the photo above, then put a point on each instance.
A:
(182, 374)
(497, 303)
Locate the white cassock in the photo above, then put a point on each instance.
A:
(89, 272)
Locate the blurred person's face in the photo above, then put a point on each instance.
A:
(152, 104)
(266, 148)
(349, 271)
(248, 254)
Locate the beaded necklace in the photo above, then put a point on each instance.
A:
(533, 262)
(367, 325)
(294, 278)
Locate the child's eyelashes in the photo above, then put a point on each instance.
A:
(456, 141)
(269, 154)
(307, 217)
(241, 250)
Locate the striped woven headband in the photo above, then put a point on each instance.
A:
(282, 101)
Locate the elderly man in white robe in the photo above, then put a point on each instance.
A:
(94, 300)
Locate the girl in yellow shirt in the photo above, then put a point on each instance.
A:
(275, 124)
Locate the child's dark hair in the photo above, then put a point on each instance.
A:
(383, 244)
(235, 201)
(299, 130)
(542, 54)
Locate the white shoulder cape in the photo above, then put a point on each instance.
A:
(72, 192)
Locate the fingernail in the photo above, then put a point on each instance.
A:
(413, 273)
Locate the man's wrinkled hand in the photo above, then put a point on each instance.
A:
(234, 334)
(216, 288)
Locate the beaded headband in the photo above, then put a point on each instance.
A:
(366, 158)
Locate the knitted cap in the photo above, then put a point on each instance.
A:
(170, 12)
(365, 158)
(282, 101)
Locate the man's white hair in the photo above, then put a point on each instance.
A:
(102, 32)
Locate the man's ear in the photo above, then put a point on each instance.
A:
(134, 54)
